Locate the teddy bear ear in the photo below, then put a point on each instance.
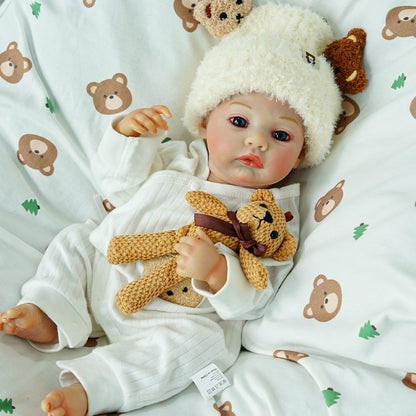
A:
(262, 195)
(287, 249)
(206, 203)
(254, 269)
(346, 58)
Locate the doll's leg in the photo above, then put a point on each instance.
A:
(59, 289)
(29, 322)
(154, 365)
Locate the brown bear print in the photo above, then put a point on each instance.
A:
(289, 355)
(108, 206)
(413, 107)
(400, 22)
(350, 111)
(325, 300)
(13, 64)
(110, 96)
(185, 9)
(410, 381)
(38, 153)
(329, 202)
(89, 3)
(225, 410)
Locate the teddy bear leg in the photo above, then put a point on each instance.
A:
(138, 293)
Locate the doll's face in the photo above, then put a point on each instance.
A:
(253, 141)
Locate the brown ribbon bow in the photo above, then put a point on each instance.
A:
(235, 229)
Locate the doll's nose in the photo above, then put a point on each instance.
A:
(257, 139)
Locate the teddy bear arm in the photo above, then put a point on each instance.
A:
(287, 249)
(254, 269)
(138, 293)
(129, 248)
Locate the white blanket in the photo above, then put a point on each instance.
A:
(339, 337)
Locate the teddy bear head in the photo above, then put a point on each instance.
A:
(266, 221)
(257, 229)
(221, 16)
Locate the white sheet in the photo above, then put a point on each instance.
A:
(366, 243)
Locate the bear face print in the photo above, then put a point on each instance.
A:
(110, 96)
(182, 294)
(410, 381)
(13, 64)
(289, 355)
(225, 410)
(325, 300)
(38, 153)
(413, 107)
(329, 202)
(185, 9)
(400, 22)
(350, 111)
(89, 3)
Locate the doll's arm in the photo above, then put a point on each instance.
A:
(143, 120)
(198, 258)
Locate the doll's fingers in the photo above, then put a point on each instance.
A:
(201, 235)
(204, 237)
(162, 109)
(136, 126)
(183, 248)
(145, 121)
(155, 116)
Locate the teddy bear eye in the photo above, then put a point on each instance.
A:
(238, 2)
(223, 16)
(274, 235)
(263, 206)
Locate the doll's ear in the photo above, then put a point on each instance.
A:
(203, 129)
(254, 269)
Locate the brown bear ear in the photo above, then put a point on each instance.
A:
(206, 203)
(346, 58)
(262, 195)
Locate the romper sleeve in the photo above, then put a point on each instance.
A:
(121, 164)
(238, 299)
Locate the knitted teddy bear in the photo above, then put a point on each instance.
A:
(220, 17)
(257, 229)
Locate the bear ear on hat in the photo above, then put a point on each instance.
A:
(346, 58)
(221, 17)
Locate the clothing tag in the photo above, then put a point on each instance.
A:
(210, 381)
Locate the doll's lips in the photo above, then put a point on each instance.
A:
(251, 160)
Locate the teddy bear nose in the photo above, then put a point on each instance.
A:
(268, 217)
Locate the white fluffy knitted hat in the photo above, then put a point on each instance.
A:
(277, 51)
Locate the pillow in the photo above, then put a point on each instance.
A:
(351, 295)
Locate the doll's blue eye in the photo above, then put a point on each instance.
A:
(281, 136)
(239, 122)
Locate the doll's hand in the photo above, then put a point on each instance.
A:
(198, 258)
(141, 121)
